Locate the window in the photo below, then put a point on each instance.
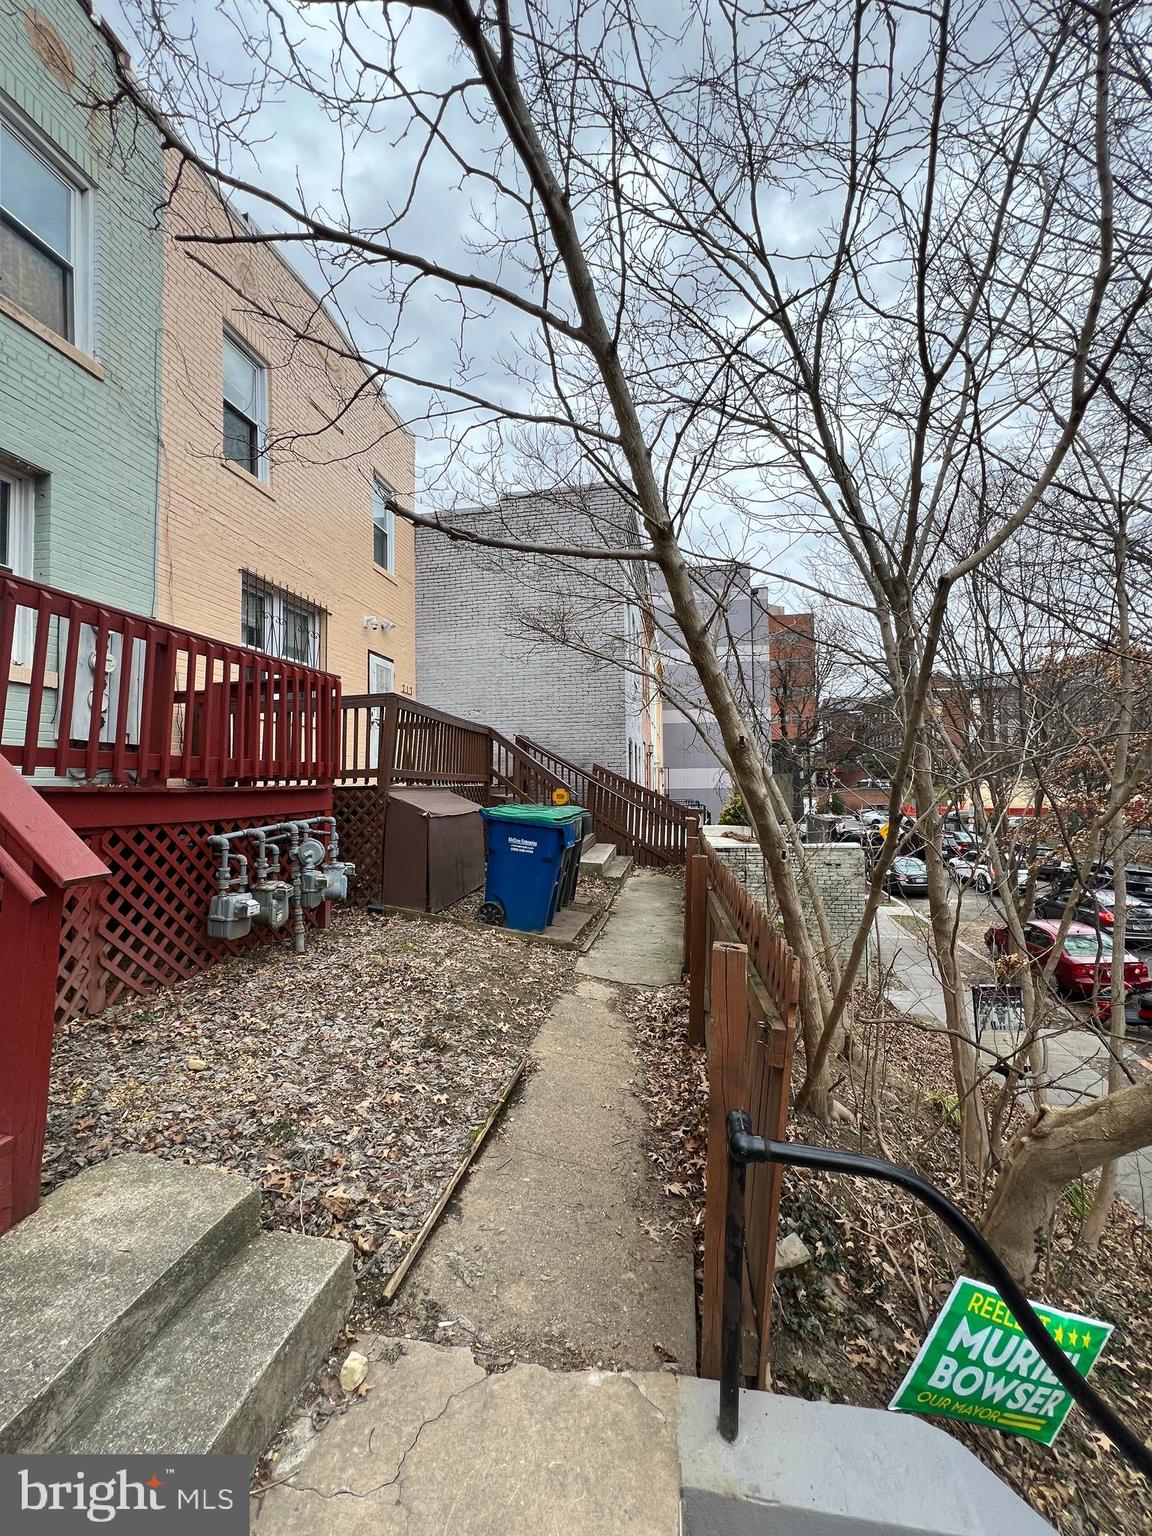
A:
(39, 235)
(383, 525)
(280, 622)
(15, 525)
(16, 530)
(381, 674)
(245, 408)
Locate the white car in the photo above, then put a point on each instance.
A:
(979, 875)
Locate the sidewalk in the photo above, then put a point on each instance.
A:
(1077, 1058)
(552, 1254)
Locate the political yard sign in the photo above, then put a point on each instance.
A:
(977, 1365)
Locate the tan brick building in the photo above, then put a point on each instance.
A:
(276, 456)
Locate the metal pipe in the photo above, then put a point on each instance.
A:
(221, 843)
(743, 1148)
(297, 892)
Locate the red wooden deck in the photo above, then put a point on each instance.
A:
(126, 743)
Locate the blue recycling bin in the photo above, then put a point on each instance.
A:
(527, 858)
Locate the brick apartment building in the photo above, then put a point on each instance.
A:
(81, 278)
(769, 657)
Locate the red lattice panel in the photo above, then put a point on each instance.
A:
(359, 813)
(146, 925)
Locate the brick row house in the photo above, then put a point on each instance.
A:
(166, 437)
(197, 547)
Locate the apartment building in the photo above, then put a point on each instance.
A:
(81, 278)
(557, 650)
(769, 658)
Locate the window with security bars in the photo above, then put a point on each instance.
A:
(282, 622)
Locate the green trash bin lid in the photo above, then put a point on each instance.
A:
(546, 813)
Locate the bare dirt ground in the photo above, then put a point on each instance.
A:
(347, 1082)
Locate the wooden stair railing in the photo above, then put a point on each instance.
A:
(643, 823)
(41, 859)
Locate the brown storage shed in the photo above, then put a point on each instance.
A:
(433, 849)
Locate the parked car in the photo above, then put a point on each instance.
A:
(1138, 1008)
(980, 875)
(954, 845)
(849, 830)
(1102, 876)
(1084, 962)
(1138, 877)
(907, 877)
(1097, 909)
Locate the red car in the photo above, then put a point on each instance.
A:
(1084, 963)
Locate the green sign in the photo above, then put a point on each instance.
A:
(977, 1365)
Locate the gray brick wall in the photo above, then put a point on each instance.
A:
(482, 617)
(837, 869)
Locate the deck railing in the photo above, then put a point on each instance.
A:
(389, 740)
(93, 692)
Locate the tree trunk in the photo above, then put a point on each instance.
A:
(1060, 1145)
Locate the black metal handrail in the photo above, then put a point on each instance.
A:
(745, 1148)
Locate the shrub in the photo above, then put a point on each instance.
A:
(734, 814)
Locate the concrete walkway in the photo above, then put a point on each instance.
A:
(439, 1446)
(556, 1252)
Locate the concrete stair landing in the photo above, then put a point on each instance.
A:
(604, 863)
(144, 1310)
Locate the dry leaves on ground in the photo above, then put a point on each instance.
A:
(848, 1326)
(347, 1082)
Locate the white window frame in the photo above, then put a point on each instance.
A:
(382, 491)
(21, 550)
(275, 621)
(375, 716)
(375, 656)
(81, 234)
(230, 338)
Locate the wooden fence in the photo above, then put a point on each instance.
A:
(744, 988)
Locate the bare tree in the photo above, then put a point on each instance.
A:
(822, 273)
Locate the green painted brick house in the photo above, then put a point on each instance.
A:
(81, 267)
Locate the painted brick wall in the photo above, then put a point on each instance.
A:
(309, 528)
(480, 652)
(838, 871)
(84, 426)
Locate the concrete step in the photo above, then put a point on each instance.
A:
(225, 1373)
(90, 1279)
(595, 860)
(620, 868)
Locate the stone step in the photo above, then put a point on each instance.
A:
(223, 1375)
(595, 860)
(90, 1279)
